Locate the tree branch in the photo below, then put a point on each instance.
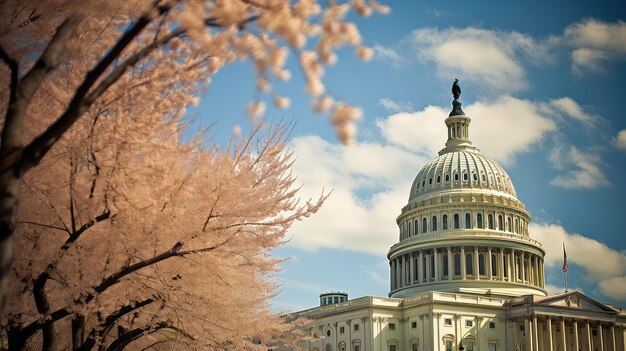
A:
(79, 104)
(26, 88)
(109, 322)
(14, 68)
(123, 340)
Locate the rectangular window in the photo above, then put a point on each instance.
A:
(448, 345)
(413, 325)
(447, 322)
(356, 327)
(469, 323)
(492, 325)
(392, 326)
(357, 348)
(342, 330)
(392, 347)
(414, 347)
(493, 347)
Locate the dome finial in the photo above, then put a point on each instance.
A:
(456, 104)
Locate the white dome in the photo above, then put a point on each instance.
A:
(461, 169)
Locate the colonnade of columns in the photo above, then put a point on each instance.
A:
(465, 263)
(565, 334)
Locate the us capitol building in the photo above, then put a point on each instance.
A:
(465, 273)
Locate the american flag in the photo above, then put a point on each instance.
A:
(565, 265)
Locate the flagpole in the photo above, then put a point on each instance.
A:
(565, 265)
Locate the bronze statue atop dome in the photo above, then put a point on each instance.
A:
(456, 89)
(456, 104)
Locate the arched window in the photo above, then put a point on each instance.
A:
(468, 263)
(483, 177)
(508, 224)
(415, 226)
(490, 221)
(468, 221)
(444, 222)
(500, 225)
(456, 176)
(438, 179)
(424, 226)
(423, 183)
(456, 221)
(447, 177)
(481, 263)
(457, 264)
(474, 176)
(434, 224)
(464, 176)
(444, 257)
(479, 221)
(409, 231)
(494, 266)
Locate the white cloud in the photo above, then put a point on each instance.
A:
(502, 129)
(393, 106)
(601, 264)
(582, 168)
(620, 140)
(422, 131)
(376, 277)
(388, 54)
(614, 287)
(572, 109)
(349, 220)
(595, 43)
(489, 58)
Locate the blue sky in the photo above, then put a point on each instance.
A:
(541, 82)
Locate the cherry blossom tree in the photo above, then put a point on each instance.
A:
(69, 62)
(126, 236)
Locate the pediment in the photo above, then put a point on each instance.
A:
(575, 300)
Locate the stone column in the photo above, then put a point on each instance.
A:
(463, 272)
(436, 264)
(513, 274)
(522, 265)
(535, 333)
(450, 264)
(476, 268)
(528, 330)
(428, 268)
(541, 337)
(532, 265)
(550, 347)
(488, 264)
(588, 330)
(563, 334)
(398, 281)
(514, 326)
(403, 274)
(600, 337)
(501, 264)
(392, 277)
(411, 268)
(576, 343)
(613, 344)
(420, 268)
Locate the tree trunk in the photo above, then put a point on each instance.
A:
(78, 331)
